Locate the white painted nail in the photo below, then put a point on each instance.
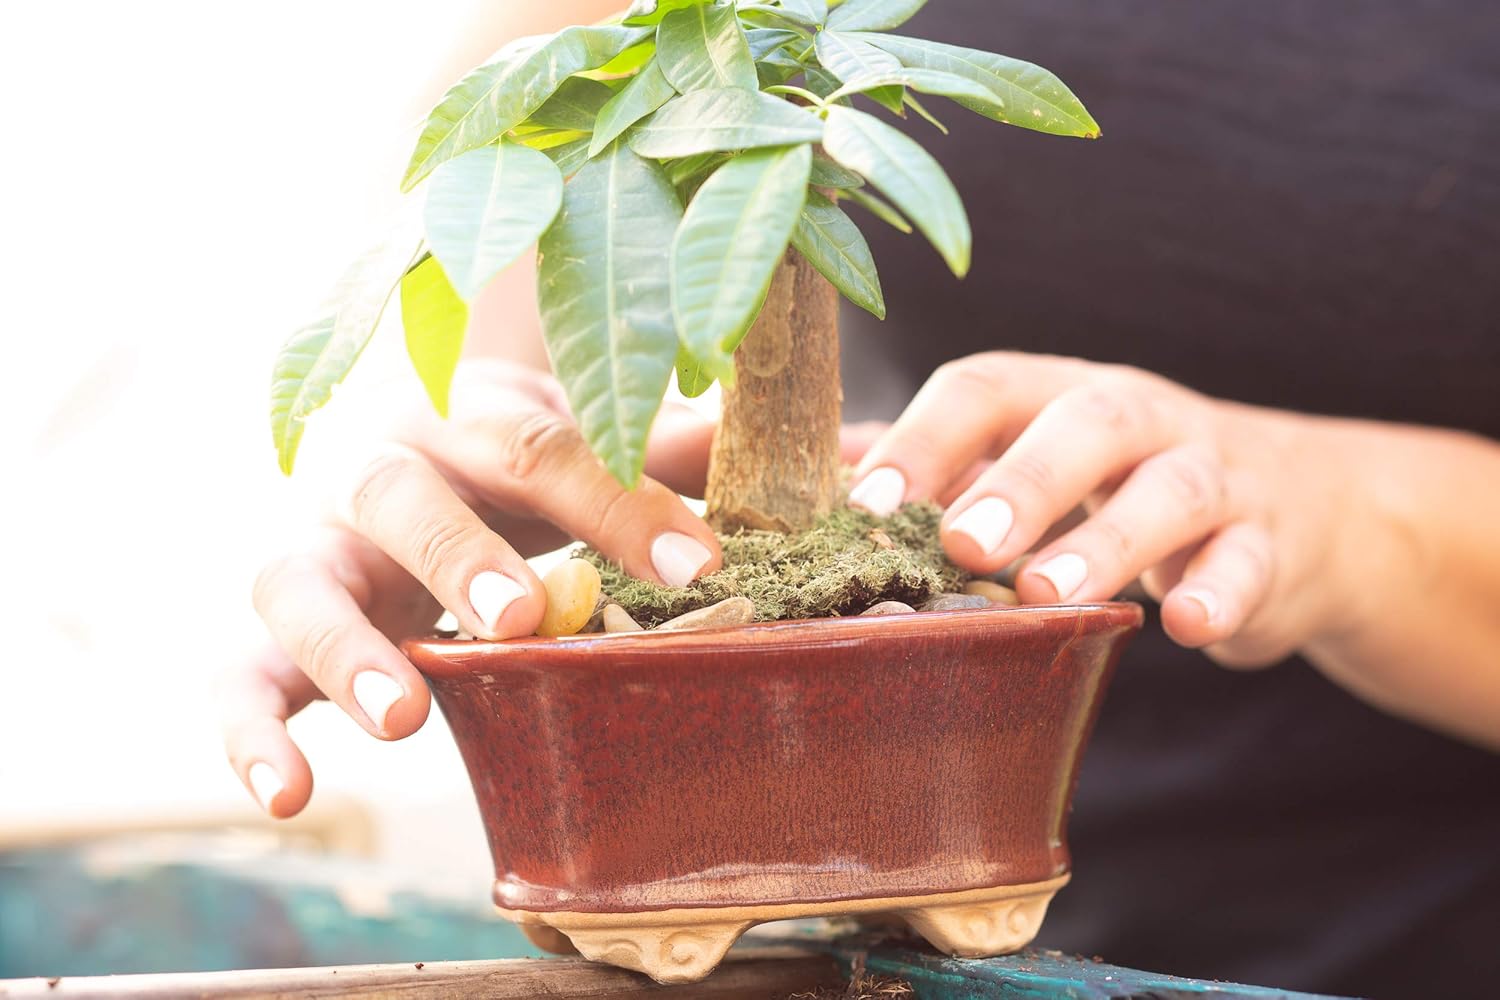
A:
(490, 593)
(376, 693)
(988, 521)
(1205, 599)
(1066, 573)
(881, 492)
(265, 783)
(678, 558)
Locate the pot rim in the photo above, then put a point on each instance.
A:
(445, 657)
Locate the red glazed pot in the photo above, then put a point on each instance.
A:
(650, 796)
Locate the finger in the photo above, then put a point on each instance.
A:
(964, 412)
(1223, 586)
(857, 439)
(406, 507)
(321, 629)
(1171, 500)
(677, 453)
(1079, 440)
(255, 701)
(537, 461)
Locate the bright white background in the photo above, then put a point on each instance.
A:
(179, 183)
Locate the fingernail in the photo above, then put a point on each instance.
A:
(988, 521)
(1066, 573)
(265, 783)
(881, 492)
(678, 558)
(376, 693)
(1206, 600)
(490, 593)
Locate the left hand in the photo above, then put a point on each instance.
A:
(1233, 516)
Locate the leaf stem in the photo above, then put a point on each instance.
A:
(797, 92)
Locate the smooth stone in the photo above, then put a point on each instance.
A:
(616, 619)
(954, 602)
(888, 608)
(734, 611)
(996, 593)
(572, 594)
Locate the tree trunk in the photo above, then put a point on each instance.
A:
(775, 459)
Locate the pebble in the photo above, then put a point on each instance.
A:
(888, 608)
(954, 602)
(996, 593)
(734, 611)
(572, 594)
(616, 619)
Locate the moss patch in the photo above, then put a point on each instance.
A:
(847, 562)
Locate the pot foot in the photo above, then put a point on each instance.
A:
(668, 954)
(548, 939)
(981, 929)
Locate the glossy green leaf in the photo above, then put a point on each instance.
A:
(827, 174)
(501, 94)
(833, 244)
(726, 251)
(777, 69)
(647, 91)
(1027, 94)
(812, 13)
(319, 355)
(626, 62)
(569, 157)
(692, 380)
(822, 82)
(709, 121)
(924, 81)
(881, 209)
(575, 105)
(435, 319)
(606, 303)
(704, 48)
(908, 175)
(873, 15)
(764, 41)
(486, 208)
(853, 58)
(652, 11)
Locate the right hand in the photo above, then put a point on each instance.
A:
(444, 515)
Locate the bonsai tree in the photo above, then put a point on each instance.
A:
(664, 162)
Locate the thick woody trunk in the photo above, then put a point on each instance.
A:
(775, 460)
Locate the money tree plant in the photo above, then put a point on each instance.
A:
(663, 163)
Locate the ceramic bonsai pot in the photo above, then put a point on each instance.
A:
(650, 796)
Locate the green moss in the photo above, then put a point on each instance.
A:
(847, 562)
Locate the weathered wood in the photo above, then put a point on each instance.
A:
(752, 974)
(775, 460)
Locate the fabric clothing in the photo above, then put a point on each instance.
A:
(1296, 205)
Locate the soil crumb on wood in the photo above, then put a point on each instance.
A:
(862, 986)
(844, 564)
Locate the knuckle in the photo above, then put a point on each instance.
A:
(1114, 541)
(318, 649)
(274, 579)
(378, 477)
(528, 442)
(1194, 481)
(614, 514)
(1252, 552)
(976, 375)
(437, 541)
(1030, 473)
(1112, 402)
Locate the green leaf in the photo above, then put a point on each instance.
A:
(496, 97)
(833, 244)
(435, 319)
(647, 91)
(874, 15)
(319, 355)
(850, 58)
(776, 69)
(693, 170)
(921, 109)
(703, 48)
(710, 121)
(1027, 95)
(625, 63)
(726, 251)
(809, 12)
(822, 82)
(486, 208)
(764, 41)
(569, 157)
(893, 99)
(692, 380)
(652, 11)
(575, 105)
(827, 174)
(606, 303)
(924, 81)
(879, 208)
(908, 175)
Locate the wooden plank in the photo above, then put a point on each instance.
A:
(752, 974)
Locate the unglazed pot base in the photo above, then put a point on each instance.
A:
(686, 944)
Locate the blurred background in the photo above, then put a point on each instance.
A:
(184, 182)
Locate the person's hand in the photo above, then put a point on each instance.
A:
(1232, 516)
(444, 516)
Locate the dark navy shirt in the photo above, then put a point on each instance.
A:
(1295, 204)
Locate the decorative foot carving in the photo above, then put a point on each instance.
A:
(548, 939)
(981, 929)
(670, 954)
